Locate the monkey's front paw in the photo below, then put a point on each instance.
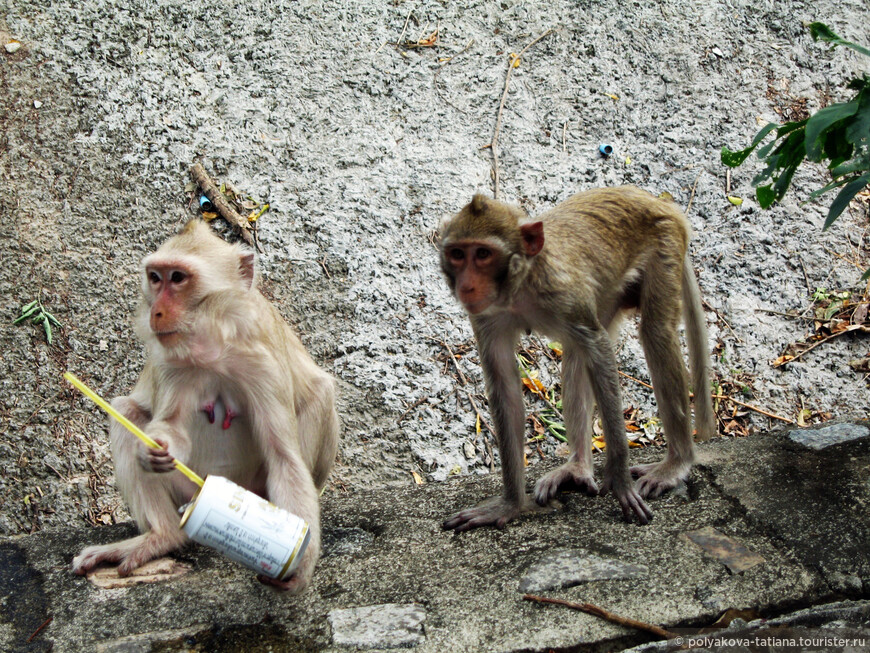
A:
(160, 460)
(569, 476)
(495, 511)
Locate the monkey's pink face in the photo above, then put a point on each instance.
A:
(474, 267)
(170, 289)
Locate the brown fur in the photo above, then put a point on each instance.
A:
(591, 258)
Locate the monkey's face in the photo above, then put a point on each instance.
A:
(170, 290)
(474, 271)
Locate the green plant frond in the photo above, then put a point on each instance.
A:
(734, 159)
(822, 121)
(821, 32)
(849, 167)
(845, 196)
(765, 196)
(824, 189)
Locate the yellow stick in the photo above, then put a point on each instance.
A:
(127, 424)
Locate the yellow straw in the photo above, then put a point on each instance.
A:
(127, 424)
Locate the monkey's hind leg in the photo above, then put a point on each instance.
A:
(658, 335)
(576, 473)
(149, 496)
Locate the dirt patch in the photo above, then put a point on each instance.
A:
(361, 147)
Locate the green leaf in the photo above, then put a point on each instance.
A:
(858, 130)
(824, 189)
(734, 159)
(821, 32)
(47, 325)
(765, 196)
(39, 319)
(30, 312)
(842, 200)
(823, 120)
(27, 307)
(849, 167)
(52, 318)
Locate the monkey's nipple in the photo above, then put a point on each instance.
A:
(228, 417)
(208, 409)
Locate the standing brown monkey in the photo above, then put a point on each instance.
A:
(606, 251)
(227, 388)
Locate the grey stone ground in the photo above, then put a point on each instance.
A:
(361, 147)
(390, 577)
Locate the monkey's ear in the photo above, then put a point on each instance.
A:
(533, 237)
(246, 269)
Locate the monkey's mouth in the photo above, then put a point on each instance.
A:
(168, 338)
(475, 307)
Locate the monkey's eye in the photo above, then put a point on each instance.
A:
(153, 277)
(482, 253)
(456, 254)
(177, 276)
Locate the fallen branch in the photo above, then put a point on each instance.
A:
(39, 630)
(455, 362)
(514, 62)
(725, 397)
(213, 193)
(692, 196)
(590, 608)
(643, 383)
(755, 408)
(412, 407)
(850, 329)
(464, 380)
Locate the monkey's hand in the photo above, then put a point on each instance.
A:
(294, 584)
(300, 578)
(570, 476)
(495, 511)
(629, 500)
(159, 460)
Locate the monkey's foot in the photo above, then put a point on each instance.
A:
(94, 556)
(495, 511)
(657, 478)
(128, 554)
(630, 501)
(570, 476)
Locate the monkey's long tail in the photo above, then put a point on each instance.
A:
(699, 353)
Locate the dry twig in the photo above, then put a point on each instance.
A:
(755, 408)
(850, 329)
(39, 630)
(464, 380)
(494, 145)
(692, 196)
(593, 609)
(717, 396)
(412, 407)
(213, 193)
